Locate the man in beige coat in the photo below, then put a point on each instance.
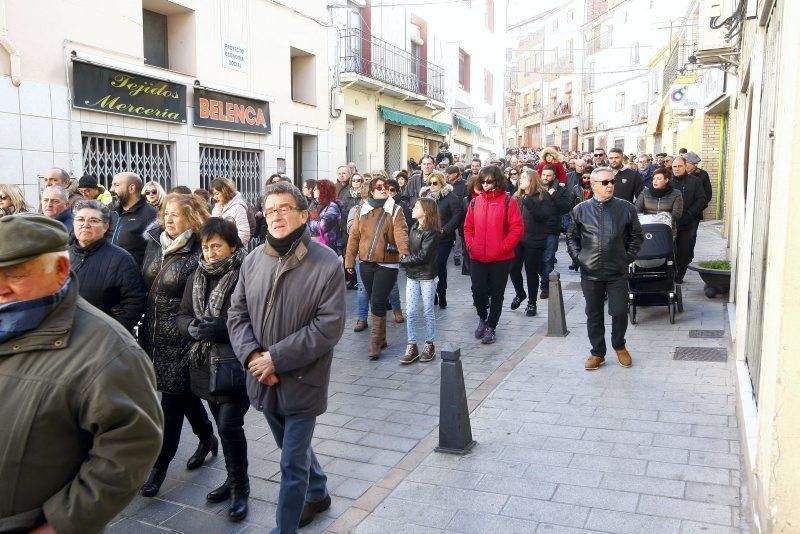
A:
(80, 419)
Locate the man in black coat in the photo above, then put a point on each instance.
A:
(694, 200)
(603, 246)
(108, 277)
(134, 215)
(692, 167)
(562, 198)
(628, 182)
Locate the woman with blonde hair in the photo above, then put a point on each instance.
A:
(230, 204)
(154, 193)
(536, 206)
(12, 200)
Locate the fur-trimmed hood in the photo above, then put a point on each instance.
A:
(549, 150)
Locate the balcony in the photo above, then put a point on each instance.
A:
(531, 109)
(369, 58)
(639, 113)
(597, 43)
(588, 81)
(587, 124)
(558, 111)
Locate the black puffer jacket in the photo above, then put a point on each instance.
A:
(562, 200)
(604, 238)
(128, 232)
(166, 279)
(451, 210)
(536, 213)
(110, 280)
(200, 376)
(423, 245)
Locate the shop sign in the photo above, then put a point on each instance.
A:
(234, 56)
(685, 96)
(213, 109)
(112, 91)
(713, 85)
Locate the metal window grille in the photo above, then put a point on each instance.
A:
(106, 156)
(241, 166)
(392, 147)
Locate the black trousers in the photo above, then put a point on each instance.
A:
(229, 417)
(594, 292)
(175, 407)
(488, 286)
(378, 282)
(445, 247)
(532, 259)
(684, 248)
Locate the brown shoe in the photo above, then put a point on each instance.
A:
(360, 326)
(594, 362)
(624, 357)
(377, 336)
(411, 355)
(428, 352)
(398, 316)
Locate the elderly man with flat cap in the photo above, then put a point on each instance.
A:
(80, 419)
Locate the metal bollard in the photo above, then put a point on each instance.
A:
(556, 320)
(455, 431)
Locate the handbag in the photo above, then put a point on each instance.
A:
(227, 374)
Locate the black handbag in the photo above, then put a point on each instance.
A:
(227, 374)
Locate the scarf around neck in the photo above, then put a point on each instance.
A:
(283, 246)
(658, 193)
(18, 318)
(375, 203)
(170, 245)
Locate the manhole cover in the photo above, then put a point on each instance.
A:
(701, 354)
(706, 334)
(572, 286)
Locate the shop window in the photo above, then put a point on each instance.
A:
(104, 157)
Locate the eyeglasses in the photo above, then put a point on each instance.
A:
(151, 192)
(487, 182)
(92, 221)
(380, 187)
(606, 183)
(283, 210)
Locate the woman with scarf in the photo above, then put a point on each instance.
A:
(583, 189)
(379, 239)
(324, 223)
(661, 197)
(451, 213)
(202, 320)
(172, 255)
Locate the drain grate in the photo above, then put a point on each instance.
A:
(701, 354)
(706, 334)
(572, 286)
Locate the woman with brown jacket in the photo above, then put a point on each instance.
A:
(379, 239)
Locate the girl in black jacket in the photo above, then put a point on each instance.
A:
(537, 207)
(421, 277)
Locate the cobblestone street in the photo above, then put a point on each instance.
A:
(654, 448)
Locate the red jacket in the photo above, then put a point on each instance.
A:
(493, 227)
(561, 173)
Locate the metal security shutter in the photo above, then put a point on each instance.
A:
(392, 148)
(104, 157)
(241, 166)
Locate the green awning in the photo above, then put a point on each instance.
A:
(463, 122)
(400, 117)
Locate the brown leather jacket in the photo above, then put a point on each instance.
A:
(369, 242)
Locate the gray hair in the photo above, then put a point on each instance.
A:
(600, 170)
(286, 188)
(675, 158)
(105, 213)
(58, 190)
(63, 175)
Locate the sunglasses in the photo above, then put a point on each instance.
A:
(151, 192)
(393, 190)
(487, 182)
(598, 155)
(3, 197)
(605, 183)
(357, 181)
(513, 174)
(434, 182)
(380, 187)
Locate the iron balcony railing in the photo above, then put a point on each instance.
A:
(531, 108)
(677, 59)
(639, 112)
(365, 54)
(558, 110)
(600, 42)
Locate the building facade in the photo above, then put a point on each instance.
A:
(179, 91)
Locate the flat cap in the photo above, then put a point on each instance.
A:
(691, 157)
(25, 236)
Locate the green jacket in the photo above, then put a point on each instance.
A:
(81, 422)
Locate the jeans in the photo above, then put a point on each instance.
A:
(594, 292)
(488, 286)
(362, 297)
(229, 417)
(457, 246)
(175, 407)
(548, 257)
(424, 290)
(532, 259)
(378, 281)
(444, 253)
(684, 248)
(302, 478)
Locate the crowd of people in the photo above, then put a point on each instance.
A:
(240, 305)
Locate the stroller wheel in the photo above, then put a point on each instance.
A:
(679, 298)
(632, 311)
(672, 307)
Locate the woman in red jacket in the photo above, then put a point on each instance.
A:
(492, 229)
(550, 156)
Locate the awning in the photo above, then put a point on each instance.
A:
(463, 122)
(654, 118)
(400, 117)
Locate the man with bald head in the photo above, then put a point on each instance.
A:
(60, 177)
(134, 215)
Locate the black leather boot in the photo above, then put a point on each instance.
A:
(238, 509)
(153, 484)
(221, 493)
(203, 448)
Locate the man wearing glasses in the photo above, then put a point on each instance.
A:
(604, 237)
(599, 158)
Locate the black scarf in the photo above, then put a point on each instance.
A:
(658, 193)
(282, 246)
(375, 203)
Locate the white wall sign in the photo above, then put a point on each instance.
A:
(234, 56)
(685, 96)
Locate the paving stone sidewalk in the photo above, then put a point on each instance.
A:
(650, 449)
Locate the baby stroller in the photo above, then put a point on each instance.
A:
(651, 280)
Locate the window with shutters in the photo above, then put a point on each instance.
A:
(463, 70)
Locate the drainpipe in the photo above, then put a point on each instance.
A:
(13, 55)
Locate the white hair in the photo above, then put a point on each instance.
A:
(601, 170)
(58, 190)
(50, 260)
